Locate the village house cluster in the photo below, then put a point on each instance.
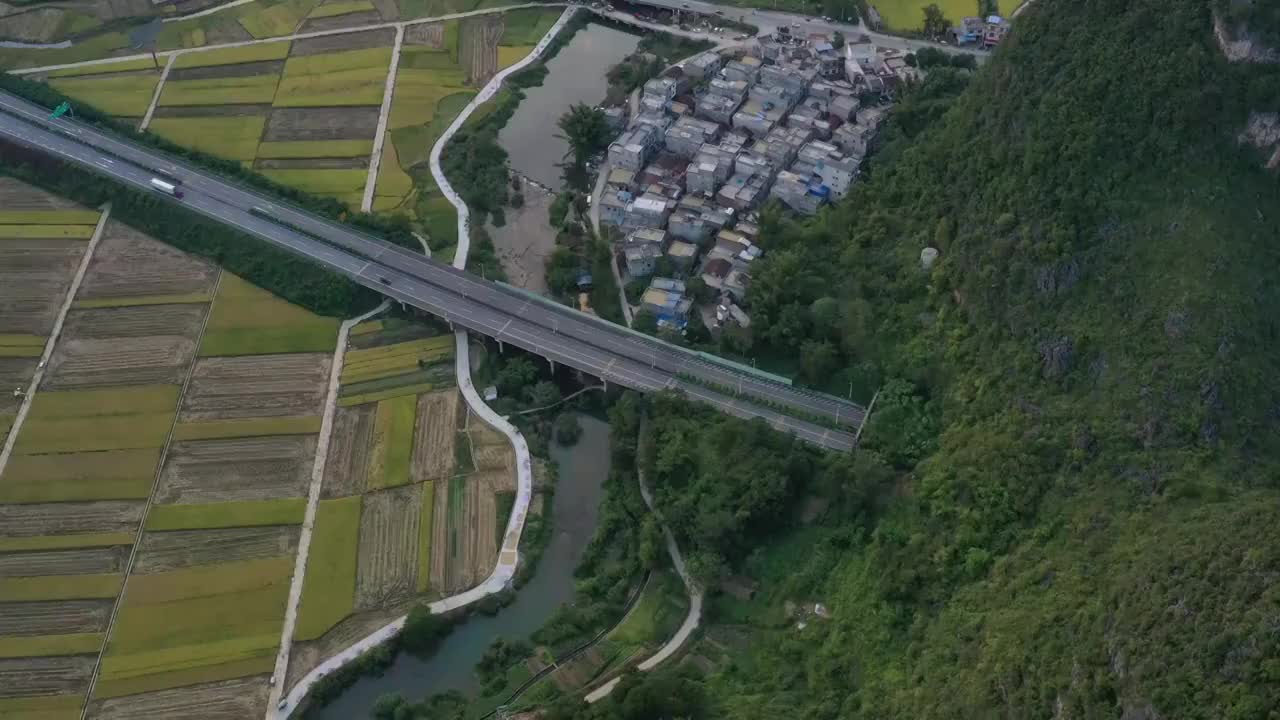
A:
(720, 135)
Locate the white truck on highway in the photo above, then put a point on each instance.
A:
(168, 188)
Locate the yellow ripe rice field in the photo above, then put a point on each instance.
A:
(234, 55)
(232, 138)
(69, 216)
(219, 91)
(123, 66)
(126, 96)
(314, 148)
(392, 442)
(111, 475)
(59, 587)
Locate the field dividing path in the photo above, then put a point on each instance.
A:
(508, 554)
(279, 38)
(691, 620)
(375, 160)
(53, 338)
(146, 510)
(313, 502)
(155, 99)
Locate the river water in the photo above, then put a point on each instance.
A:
(574, 512)
(575, 75)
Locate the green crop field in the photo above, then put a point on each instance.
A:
(52, 232)
(260, 664)
(104, 402)
(22, 348)
(244, 513)
(424, 535)
(233, 138)
(527, 26)
(87, 434)
(397, 359)
(44, 707)
(70, 216)
(197, 624)
(234, 55)
(44, 645)
(137, 300)
(247, 427)
(275, 20)
(59, 587)
(329, 590)
(379, 396)
(341, 8)
(111, 475)
(59, 542)
(909, 14)
(127, 96)
(220, 91)
(346, 184)
(315, 148)
(145, 63)
(247, 320)
(392, 442)
(353, 77)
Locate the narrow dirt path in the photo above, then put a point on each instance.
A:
(375, 160)
(313, 501)
(34, 385)
(155, 98)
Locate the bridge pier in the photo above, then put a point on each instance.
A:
(553, 365)
(501, 347)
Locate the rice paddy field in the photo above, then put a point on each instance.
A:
(162, 468)
(408, 503)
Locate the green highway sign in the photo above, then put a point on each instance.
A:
(59, 111)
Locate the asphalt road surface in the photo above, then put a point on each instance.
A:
(555, 332)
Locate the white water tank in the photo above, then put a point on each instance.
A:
(928, 257)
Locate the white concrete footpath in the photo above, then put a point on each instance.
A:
(508, 556)
(490, 89)
(691, 620)
(313, 501)
(34, 385)
(375, 159)
(155, 97)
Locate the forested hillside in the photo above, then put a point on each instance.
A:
(1066, 505)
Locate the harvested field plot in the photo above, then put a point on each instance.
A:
(249, 321)
(226, 700)
(388, 556)
(259, 386)
(289, 511)
(246, 71)
(258, 468)
(249, 427)
(435, 437)
(110, 475)
(173, 550)
(327, 44)
(80, 363)
(58, 617)
(69, 518)
(328, 592)
(45, 676)
(135, 321)
(388, 360)
(426, 516)
(347, 465)
(350, 19)
(81, 561)
(128, 264)
(309, 124)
